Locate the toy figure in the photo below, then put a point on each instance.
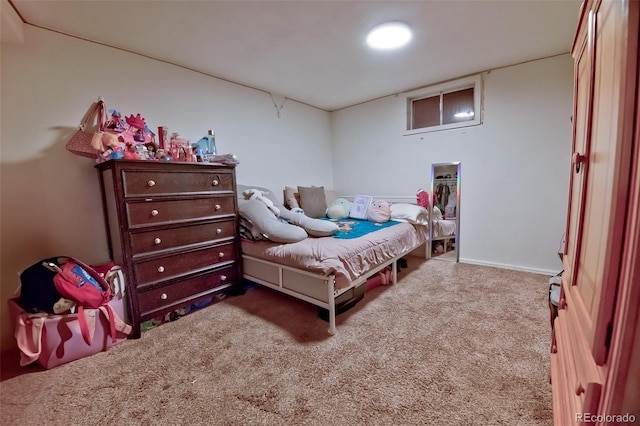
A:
(130, 153)
(107, 146)
(151, 150)
(116, 123)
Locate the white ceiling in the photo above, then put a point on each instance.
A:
(314, 51)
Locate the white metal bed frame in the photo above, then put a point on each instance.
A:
(316, 288)
(311, 287)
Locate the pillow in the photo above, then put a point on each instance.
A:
(437, 214)
(267, 193)
(313, 201)
(339, 209)
(291, 198)
(314, 227)
(379, 211)
(265, 225)
(411, 213)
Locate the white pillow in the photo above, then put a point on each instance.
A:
(265, 224)
(437, 214)
(412, 213)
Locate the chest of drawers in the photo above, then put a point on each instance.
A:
(173, 228)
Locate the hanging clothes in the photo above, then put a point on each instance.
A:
(445, 196)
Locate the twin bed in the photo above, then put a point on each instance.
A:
(323, 270)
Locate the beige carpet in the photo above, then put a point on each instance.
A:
(452, 344)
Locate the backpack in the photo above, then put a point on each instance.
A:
(79, 282)
(37, 291)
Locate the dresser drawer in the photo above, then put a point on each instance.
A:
(180, 292)
(154, 212)
(143, 183)
(168, 267)
(164, 239)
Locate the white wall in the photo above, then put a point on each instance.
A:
(50, 198)
(515, 167)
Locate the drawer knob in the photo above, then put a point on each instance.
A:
(161, 269)
(151, 183)
(579, 389)
(163, 296)
(218, 207)
(223, 277)
(157, 241)
(221, 255)
(218, 231)
(154, 212)
(215, 182)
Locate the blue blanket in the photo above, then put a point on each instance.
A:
(354, 228)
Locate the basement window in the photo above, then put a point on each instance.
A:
(448, 105)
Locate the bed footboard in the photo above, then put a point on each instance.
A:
(308, 286)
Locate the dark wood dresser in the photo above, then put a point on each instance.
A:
(173, 227)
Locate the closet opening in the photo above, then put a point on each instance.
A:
(444, 230)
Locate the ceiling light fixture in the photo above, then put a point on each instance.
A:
(390, 35)
(466, 114)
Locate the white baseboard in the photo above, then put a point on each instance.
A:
(512, 267)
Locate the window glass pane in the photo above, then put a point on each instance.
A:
(457, 106)
(426, 112)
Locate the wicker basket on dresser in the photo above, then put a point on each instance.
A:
(174, 229)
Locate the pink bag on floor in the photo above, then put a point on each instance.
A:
(52, 340)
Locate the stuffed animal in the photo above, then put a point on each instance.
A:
(255, 194)
(422, 197)
(63, 305)
(107, 145)
(379, 211)
(339, 209)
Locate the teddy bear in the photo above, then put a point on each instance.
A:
(339, 209)
(379, 211)
(255, 194)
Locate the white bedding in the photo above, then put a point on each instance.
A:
(346, 258)
(443, 228)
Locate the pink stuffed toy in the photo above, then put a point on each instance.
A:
(379, 211)
(423, 198)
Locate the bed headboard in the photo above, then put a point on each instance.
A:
(409, 199)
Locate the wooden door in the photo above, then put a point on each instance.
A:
(594, 241)
(583, 93)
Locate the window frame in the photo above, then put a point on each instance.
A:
(474, 82)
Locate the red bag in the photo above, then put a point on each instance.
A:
(81, 283)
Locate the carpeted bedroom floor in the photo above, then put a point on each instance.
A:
(453, 344)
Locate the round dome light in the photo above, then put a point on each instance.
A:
(389, 36)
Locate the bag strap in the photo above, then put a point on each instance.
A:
(115, 278)
(97, 107)
(85, 329)
(111, 317)
(88, 318)
(28, 333)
